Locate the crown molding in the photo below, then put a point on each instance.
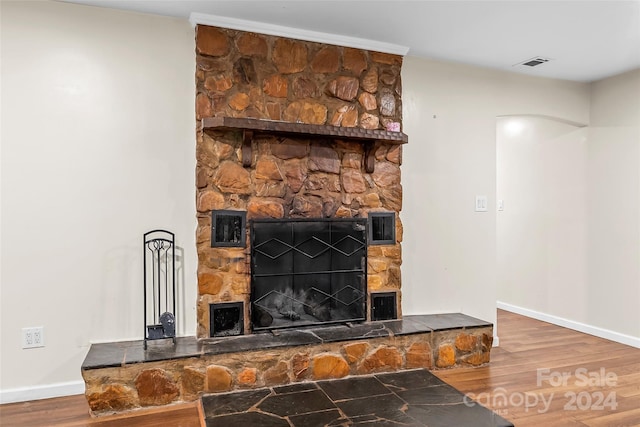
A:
(296, 33)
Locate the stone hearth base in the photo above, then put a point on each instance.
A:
(123, 376)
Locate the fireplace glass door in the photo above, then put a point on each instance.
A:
(307, 272)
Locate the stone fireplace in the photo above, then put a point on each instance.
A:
(291, 130)
(299, 147)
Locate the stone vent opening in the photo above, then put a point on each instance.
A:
(227, 319)
(384, 306)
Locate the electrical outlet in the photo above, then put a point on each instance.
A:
(33, 337)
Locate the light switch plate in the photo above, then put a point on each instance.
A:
(481, 203)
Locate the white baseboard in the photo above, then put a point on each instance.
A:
(24, 394)
(496, 341)
(571, 324)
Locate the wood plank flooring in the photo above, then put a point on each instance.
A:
(73, 411)
(512, 385)
(526, 345)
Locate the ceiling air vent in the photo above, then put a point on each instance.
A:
(534, 62)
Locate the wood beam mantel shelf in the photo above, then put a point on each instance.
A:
(370, 138)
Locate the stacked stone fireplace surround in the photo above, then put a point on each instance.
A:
(246, 75)
(263, 77)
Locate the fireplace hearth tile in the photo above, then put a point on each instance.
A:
(407, 380)
(259, 341)
(294, 388)
(386, 408)
(104, 355)
(456, 415)
(163, 350)
(253, 419)
(115, 354)
(332, 417)
(414, 398)
(301, 402)
(443, 322)
(230, 403)
(352, 388)
(355, 331)
(439, 394)
(407, 326)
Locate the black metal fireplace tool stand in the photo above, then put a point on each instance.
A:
(159, 259)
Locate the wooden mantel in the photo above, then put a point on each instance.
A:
(369, 137)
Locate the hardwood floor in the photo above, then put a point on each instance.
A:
(526, 346)
(530, 349)
(73, 411)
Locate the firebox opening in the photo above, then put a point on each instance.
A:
(227, 319)
(307, 272)
(383, 306)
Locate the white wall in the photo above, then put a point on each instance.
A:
(613, 205)
(98, 147)
(449, 113)
(569, 238)
(542, 232)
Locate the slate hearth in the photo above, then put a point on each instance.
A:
(413, 398)
(118, 354)
(122, 376)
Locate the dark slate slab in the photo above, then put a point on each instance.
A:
(407, 380)
(259, 341)
(356, 331)
(387, 407)
(296, 403)
(456, 415)
(385, 423)
(352, 388)
(435, 395)
(414, 398)
(332, 417)
(120, 353)
(443, 322)
(252, 419)
(159, 350)
(295, 388)
(104, 356)
(407, 326)
(229, 403)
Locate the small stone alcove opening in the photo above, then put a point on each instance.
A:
(227, 319)
(382, 228)
(228, 228)
(384, 306)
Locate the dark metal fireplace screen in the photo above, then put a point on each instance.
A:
(307, 272)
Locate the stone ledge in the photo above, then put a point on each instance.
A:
(122, 377)
(116, 354)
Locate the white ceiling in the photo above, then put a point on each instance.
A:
(585, 40)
